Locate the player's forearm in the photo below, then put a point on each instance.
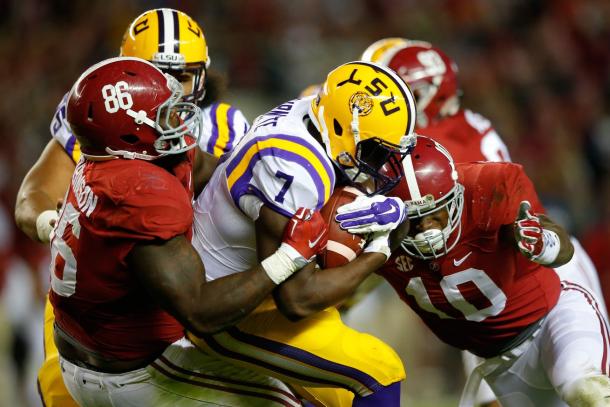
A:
(566, 249)
(310, 291)
(29, 205)
(225, 301)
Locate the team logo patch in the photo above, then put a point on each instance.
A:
(363, 101)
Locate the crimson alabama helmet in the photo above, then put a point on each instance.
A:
(430, 185)
(431, 75)
(126, 107)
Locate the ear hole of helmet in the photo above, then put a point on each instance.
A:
(337, 127)
(130, 138)
(90, 112)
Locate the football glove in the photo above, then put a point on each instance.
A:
(305, 235)
(368, 214)
(536, 243)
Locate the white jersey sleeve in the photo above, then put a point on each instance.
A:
(60, 131)
(285, 172)
(223, 127)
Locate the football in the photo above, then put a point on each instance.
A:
(343, 246)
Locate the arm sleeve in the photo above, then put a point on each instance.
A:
(500, 189)
(148, 205)
(284, 174)
(60, 131)
(224, 127)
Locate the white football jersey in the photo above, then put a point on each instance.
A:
(278, 164)
(223, 127)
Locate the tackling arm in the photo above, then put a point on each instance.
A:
(42, 188)
(174, 275)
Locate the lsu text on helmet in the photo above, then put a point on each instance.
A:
(172, 41)
(365, 114)
(431, 75)
(127, 108)
(376, 51)
(430, 189)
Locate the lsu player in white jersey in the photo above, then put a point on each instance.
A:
(176, 44)
(467, 135)
(294, 156)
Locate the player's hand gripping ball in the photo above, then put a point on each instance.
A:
(342, 246)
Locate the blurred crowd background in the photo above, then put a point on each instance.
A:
(539, 70)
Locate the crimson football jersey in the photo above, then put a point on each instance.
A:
(110, 207)
(469, 137)
(484, 292)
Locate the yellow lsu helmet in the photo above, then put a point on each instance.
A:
(376, 51)
(172, 41)
(365, 114)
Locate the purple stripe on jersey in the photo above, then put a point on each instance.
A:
(192, 382)
(567, 285)
(242, 185)
(236, 159)
(214, 136)
(70, 145)
(223, 351)
(227, 380)
(230, 120)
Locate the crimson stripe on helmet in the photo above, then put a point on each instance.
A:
(176, 32)
(407, 164)
(161, 24)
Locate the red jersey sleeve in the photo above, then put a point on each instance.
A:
(145, 202)
(496, 191)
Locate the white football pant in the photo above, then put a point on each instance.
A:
(181, 376)
(572, 344)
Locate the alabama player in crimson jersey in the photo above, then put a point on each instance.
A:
(187, 59)
(125, 280)
(476, 268)
(467, 135)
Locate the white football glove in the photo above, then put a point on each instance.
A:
(368, 214)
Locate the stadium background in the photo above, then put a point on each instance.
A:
(540, 70)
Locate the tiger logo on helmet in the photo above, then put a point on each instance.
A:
(365, 114)
(173, 42)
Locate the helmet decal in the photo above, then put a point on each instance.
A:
(126, 107)
(363, 113)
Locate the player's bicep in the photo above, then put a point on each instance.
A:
(170, 271)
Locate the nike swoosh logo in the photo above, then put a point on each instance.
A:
(315, 242)
(460, 261)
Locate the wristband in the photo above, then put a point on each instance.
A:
(380, 243)
(280, 265)
(550, 248)
(43, 224)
